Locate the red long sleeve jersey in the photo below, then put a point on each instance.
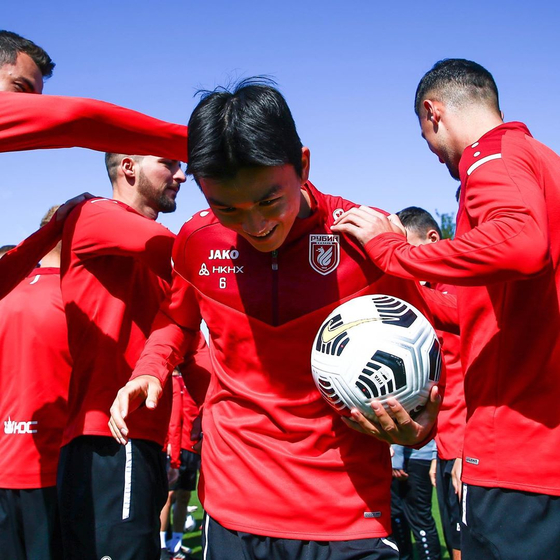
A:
(47, 121)
(34, 375)
(452, 415)
(116, 265)
(505, 261)
(188, 401)
(276, 459)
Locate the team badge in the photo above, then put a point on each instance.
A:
(324, 252)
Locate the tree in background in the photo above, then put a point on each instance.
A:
(447, 221)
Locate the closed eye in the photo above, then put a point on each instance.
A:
(268, 202)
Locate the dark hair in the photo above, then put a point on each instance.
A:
(249, 126)
(457, 81)
(11, 44)
(418, 220)
(112, 162)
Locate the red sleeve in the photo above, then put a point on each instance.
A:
(174, 327)
(509, 242)
(29, 122)
(16, 264)
(104, 227)
(176, 422)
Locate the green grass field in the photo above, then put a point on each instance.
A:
(192, 540)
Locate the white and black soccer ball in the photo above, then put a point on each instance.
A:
(375, 347)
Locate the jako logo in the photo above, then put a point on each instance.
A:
(223, 255)
(13, 427)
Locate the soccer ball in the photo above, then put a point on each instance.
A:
(375, 347)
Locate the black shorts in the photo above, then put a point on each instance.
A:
(449, 505)
(110, 498)
(509, 524)
(219, 543)
(188, 471)
(29, 524)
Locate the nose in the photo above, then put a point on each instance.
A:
(180, 176)
(254, 223)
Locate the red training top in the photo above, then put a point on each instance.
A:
(505, 261)
(115, 267)
(34, 375)
(276, 459)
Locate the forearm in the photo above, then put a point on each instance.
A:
(492, 252)
(19, 262)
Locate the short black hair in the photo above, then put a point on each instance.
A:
(249, 125)
(418, 220)
(457, 81)
(11, 44)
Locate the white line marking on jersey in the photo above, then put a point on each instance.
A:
(482, 161)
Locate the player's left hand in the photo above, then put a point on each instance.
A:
(364, 224)
(397, 427)
(69, 205)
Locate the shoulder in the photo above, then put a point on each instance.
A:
(197, 223)
(333, 206)
(198, 233)
(493, 147)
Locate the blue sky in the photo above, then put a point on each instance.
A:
(349, 70)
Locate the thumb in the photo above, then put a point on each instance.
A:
(154, 393)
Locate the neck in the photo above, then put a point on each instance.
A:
(51, 260)
(305, 206)
(134, 200)
(472, 125)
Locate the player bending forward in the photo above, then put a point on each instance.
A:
(249, 267)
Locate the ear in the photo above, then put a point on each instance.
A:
(305, 162)
(128, 167)
(433, 111)
(432, 236)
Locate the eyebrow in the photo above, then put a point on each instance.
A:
(270, 193)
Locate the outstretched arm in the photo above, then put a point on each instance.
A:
(30, 122)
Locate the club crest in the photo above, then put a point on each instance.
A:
(324, 252)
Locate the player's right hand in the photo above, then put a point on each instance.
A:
(143, 389)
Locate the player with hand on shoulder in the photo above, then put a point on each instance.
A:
(504, 260)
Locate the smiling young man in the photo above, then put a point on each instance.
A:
(263, 269)
(504, 260)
